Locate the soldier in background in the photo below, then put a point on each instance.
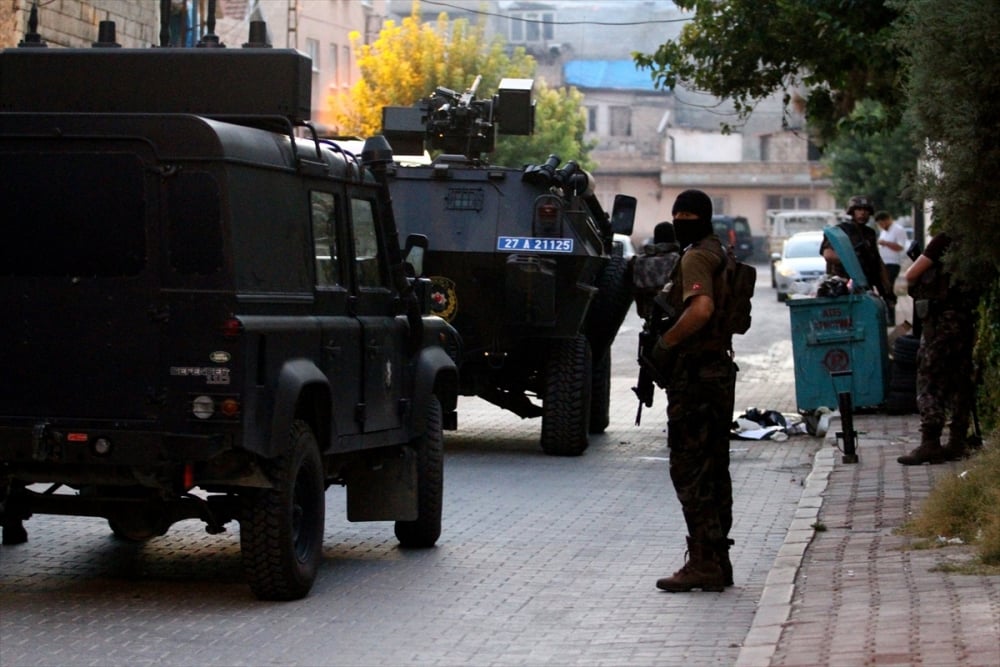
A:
(947, 310)
(696, 356)
(864, 239)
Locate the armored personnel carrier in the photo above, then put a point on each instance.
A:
(207, 316)
(522, 261)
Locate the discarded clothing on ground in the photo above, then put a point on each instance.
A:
(755, 424)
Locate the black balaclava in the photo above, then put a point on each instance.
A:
(692, 231)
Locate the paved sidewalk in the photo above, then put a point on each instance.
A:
(855, 594)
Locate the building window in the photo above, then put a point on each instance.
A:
(345, 67)
(787, 202)
(718, 205)
(765, 148)
(532, 27)
(621, 121)
(312, 50)
(591, 119)
(334, 69)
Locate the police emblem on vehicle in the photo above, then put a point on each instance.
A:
(444, 299)
(532, 244)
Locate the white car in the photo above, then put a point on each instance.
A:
(799, 266)
(626, 243)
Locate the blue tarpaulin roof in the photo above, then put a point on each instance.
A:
(616, 74)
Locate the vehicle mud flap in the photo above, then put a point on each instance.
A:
(610, 306)
(566, 404)
(530, 291)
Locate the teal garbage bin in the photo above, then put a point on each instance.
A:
(839, 343)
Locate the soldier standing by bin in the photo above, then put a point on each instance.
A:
(697, 358)
(865, 242)
(947, 310)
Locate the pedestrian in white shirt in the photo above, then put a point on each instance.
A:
(892, 249)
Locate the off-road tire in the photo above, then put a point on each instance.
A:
(600, 392)
(610, 305)
(281, 529)
(566, 404)
(905, 349)
(424, 531)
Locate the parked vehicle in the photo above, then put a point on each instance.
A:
(522, 260)
(783, 224)
(207, 317)
(799, 265)
(734, 231)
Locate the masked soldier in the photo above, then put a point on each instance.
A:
(696, 355)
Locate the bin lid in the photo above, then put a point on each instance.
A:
(842, 245)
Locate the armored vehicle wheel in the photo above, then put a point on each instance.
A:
(600, 392)
(566, 404)
(426, 528)
(281, 530)
(610, 306)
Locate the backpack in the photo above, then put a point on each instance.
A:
(652, 268)
(740, 279)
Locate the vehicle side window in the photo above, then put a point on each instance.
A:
(195, 218)
(368, 262)
(324, 219)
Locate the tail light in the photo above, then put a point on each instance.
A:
(232, 328)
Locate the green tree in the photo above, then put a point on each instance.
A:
(824, 55)
(560, 124)
(874, 159)
(410, 59)
(954, 80)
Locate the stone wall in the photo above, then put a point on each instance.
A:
(73, 23)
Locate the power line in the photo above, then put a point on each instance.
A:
(525, 20)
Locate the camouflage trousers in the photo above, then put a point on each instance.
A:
(699, 418)
(944, 373)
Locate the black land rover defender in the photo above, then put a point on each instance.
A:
(206, 316)
(523, 261)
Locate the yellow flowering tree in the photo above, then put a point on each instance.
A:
(410, 59)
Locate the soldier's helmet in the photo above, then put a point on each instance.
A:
(862, 202)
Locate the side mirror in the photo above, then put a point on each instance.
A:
(623, 215)
(413, 253)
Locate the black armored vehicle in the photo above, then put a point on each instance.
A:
(522, 262)
(207, 315)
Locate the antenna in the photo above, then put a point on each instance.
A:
(31, 36)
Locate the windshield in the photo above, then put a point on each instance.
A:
(803, 246)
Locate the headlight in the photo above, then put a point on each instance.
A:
(788, 272)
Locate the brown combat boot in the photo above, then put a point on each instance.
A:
(929, 450)
(701, 570)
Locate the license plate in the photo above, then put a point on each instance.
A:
(532, 244)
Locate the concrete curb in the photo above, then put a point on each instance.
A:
(775, 605)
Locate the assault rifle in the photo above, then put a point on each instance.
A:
(661, 317)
